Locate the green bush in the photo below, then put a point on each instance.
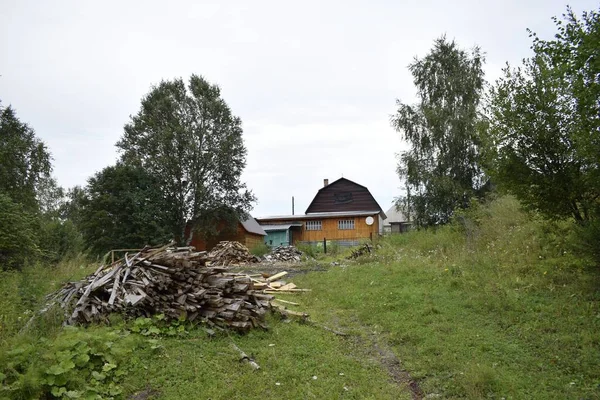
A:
(588, 240)
(310, 250)
(260, 250)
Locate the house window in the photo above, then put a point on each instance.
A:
(314, 226)
(344, 224)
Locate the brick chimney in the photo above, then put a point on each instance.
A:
(325, 182)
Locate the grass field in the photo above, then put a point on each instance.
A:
(496, 305)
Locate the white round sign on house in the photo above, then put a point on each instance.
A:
(369, 221)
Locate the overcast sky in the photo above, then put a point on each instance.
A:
(314, 82)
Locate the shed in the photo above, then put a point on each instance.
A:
(396, 221)
(248, 232)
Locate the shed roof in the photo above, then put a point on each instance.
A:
(394, 215)
(252, 226)
(279, 227)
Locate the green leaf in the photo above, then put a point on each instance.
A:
(73, 394)
(108, 367)
(49, 380)
(60, 380)
(154, 330)
(98, 376)
(114, 390)
(67, 365)
(82, 359)
(55, 369)
(58, 391)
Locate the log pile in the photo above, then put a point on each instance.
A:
(231, 253)
(178, 283)
(284, 254)
(361, 251)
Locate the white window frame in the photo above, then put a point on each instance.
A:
(345, 224)
(314, 225)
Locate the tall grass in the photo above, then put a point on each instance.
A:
(22, 293)
(496, 304)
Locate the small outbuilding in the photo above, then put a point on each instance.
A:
(248, 232)
(396, 221)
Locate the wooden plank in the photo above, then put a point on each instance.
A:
(289, 286)
(286, 302)
(286, 291)
(115, 287)
(276, 276)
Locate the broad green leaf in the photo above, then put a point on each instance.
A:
(108, 367)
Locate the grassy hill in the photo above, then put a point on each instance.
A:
(496, 305)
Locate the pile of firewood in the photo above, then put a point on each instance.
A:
(231, 253)
(284, 254)
(178, 283)
(361, 251)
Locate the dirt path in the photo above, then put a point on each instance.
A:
(398, 374)
(374, 345)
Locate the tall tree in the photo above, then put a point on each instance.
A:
(545, 121)
(24, 160)
(442, 168)
(123, 207)
(18, 240)
(187, 137)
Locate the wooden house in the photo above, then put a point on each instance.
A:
(341, 211)
(248, 232)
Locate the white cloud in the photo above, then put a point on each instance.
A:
(314, 81)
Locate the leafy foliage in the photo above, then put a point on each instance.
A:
(76, 364)
(17, 234)
(24, 159)
(545, 122)
(188, 139)
(442, 169)
(122, 207)
(260, 250)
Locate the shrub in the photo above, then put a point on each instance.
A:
(260, 250)
(310, 250)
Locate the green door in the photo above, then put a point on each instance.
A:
(277, 238)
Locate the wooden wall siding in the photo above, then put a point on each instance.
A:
(241, 235)
(252, 240)
(331, 232)
(343, 195)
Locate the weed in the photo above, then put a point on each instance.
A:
(260, 250)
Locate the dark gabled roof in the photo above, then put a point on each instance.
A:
(251, 226)
(346, 181)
